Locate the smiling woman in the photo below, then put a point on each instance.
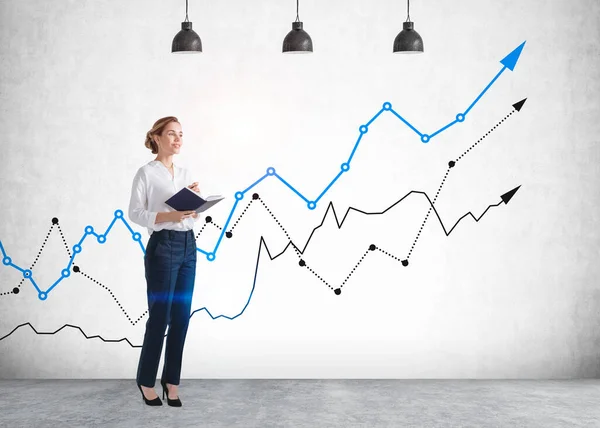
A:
(167, 125)
(169, 261)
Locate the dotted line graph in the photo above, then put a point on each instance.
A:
(208, 220)
(509, 62)
(505, 198)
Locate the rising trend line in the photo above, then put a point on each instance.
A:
(508, 62)
(89, 230)
(516, 108)
(505, 198)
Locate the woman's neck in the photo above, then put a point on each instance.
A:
(166, 160)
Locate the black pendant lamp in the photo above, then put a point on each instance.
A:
(187, 40)
(408, 40)
(297, 40)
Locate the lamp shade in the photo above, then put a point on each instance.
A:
(408, 40)
(297, 40)
(187, 40)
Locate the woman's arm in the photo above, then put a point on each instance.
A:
(138, 204)
(161, 217)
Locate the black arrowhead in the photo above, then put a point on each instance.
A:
(508, 195)
(518, 105)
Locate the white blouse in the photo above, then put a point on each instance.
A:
(152, 185)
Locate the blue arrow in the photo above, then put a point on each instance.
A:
(509, 61)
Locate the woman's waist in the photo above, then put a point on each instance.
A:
(173, 235)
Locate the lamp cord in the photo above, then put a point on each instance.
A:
(297, 9)
(186, 11)
(408, 10)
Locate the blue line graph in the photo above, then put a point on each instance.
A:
(508, 62)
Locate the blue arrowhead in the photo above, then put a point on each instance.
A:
(511, 59)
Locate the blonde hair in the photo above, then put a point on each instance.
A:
(157, 129)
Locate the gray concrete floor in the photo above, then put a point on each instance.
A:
(305, 403)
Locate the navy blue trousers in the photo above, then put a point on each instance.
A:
(170, 266)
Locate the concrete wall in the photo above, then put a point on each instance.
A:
(514, 295)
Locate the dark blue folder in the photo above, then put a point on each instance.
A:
(188, 200)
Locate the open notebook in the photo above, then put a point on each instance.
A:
(188, 200)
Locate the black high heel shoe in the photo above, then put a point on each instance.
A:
(154, 402)
(174, 403)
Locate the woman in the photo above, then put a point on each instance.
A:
(169, 260)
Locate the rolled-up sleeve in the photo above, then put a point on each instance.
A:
(138, 203)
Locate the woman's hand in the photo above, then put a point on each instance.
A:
(178, 216)
(194, 187)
